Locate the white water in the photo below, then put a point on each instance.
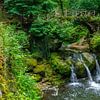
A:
(74, 80)
(93, 84)
(97, 70)
(87, 69)
(73, 75)
(88, 72)
(97, 66)
(87, 90)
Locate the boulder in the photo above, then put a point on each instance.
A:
(31, 62)
(88, 60)
(39, 68)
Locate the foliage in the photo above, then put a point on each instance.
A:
(54, 28)
(28, 9)
(95, 41)
(25, 85)
(85, 4)
(59, 65)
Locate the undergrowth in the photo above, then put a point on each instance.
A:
(24, 87)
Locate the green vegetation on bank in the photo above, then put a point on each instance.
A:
(24, 87)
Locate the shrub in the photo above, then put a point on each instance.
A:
(25, 85)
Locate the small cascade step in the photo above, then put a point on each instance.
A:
(73, 75)
(87, 69)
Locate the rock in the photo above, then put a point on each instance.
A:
(40, 68)
(82, 45)
(80, 69)
(88, 57)
(88, 60)
(31, 62)
(59, 65)
(36, 77)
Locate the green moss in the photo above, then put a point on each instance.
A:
(39, 68)
(80, 69)
(95, 41)
(59, 65)
(36, 77)
(31, 62)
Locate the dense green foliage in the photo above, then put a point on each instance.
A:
(85, 4)
(25, 86)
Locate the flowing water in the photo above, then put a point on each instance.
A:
(88, 90)
(87, 69)
(73, 75)
(74, 80)
(88, 73)
(79, 92)
(97, 70)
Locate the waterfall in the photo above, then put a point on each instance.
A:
(73, 75)
(93, 84)
(87, 69)
(97, 68)
(88, 72)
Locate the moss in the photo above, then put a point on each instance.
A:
(48, 71)
(40, 68)
(59, 65)
(31, 62)
(56, 80)
(80, 69)
(95, 41)
(36, 77)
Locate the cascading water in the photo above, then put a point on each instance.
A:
(97, 69)
(79, 89)
(87, 69)
(88, 72)
(74, 80)
(93, 84)
(73, 75)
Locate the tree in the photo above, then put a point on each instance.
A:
(85, 4)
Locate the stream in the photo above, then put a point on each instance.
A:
(77, 89)
(81, 91)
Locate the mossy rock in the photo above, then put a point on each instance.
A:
(89, 60)
(39, 68)
(95, 41)
(48, 71)
(36, 77)
(59, 65)
(31, 62)
(80, 69)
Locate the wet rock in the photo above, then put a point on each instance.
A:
(88, 57)
(80, 69)
(88, 60)
(0, 93)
